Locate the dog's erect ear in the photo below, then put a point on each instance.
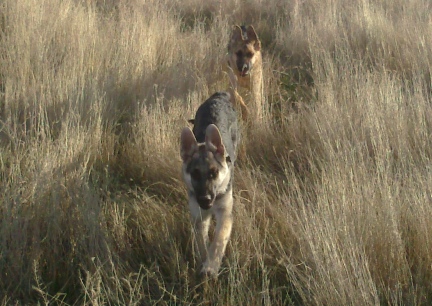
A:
(213, 142)
(188, 144)
(236, 34)
(252, 36)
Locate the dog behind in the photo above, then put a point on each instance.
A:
(244, 61)
(209, 153)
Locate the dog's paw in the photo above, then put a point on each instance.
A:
(210, 269)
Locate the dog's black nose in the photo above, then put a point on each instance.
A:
(205, 202)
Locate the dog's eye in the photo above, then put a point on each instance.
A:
(196, 174)
(239, 53)
(249, 54)
(212, 174)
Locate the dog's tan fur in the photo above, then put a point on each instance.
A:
(244, 65)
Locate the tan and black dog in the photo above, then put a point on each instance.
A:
(246, 71)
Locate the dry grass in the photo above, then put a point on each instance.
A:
(333, 203)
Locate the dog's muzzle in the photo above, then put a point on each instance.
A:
(245, 70)
(205, 202)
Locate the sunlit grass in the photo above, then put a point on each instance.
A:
(332, 200)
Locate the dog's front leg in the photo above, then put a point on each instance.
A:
(201, 223)
(258, 94)
(217, 248)
(238, 102)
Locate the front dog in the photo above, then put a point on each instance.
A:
(209, 154)
(245, 69)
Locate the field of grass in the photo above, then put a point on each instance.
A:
(333, 202)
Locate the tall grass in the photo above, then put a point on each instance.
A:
(333, 199)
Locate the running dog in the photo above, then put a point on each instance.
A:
(208, 154)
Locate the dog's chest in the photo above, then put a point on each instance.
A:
(244, 81)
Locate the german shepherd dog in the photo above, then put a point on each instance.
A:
(209, 153)
(245, 69)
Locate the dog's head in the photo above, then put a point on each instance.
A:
(243, 47)
(205, 166)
